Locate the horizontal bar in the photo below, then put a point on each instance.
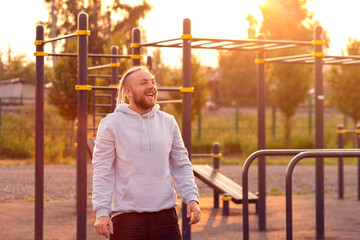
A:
(169, 101)
(92, 128)
(103, 95)
(103, 105)
(62, 54)
(60, 38)
(287, 57)
(108, 55)
(171, 89)
(103, 88)
(103, 76)
(98, 67)
(201, 155)
(101, 114)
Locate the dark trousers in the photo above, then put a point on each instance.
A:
(162, 225)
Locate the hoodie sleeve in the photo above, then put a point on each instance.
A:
(103, 169)
(181, 168)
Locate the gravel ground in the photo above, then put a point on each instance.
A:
(17, 182)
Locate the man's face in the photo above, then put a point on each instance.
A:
(142, 90)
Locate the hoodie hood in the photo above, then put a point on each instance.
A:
(124, 108)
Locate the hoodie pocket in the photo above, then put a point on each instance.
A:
(149, 193)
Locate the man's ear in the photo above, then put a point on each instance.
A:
(127, 92)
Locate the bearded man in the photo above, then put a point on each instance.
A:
(138, 150)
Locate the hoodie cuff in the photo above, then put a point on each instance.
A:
(192, 198)
(102, 212)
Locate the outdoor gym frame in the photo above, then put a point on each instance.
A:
(82, 87)
(186, 42)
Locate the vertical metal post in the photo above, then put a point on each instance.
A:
(273, 120)
(340, 141)
(358, 146)
(81, 163)
(39, 136)
(319, 131)
(136, 57)
(216, 167)
(93, 107)
(260, 69)
(310, 114)
(237, 116)
(186, 111)
(149, 62)
(226, 200)
(114, 75)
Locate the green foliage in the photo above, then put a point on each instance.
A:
(198, 81)
(238, 76)
(17, 137)
(344, 85)
(62, 93)
(289, 83)
(18, 67)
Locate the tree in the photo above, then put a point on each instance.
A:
(290, 20)
(18, 67)
(238, 67)
(198, 81)
(344, 84)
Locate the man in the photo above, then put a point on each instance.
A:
(138, 149)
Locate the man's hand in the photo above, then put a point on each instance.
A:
(101, 224)
(193, 207)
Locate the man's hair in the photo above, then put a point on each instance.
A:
(123, 83)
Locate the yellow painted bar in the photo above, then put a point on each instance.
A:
(135, 56)
(135, 45)
(83, 32)
(217, 155)
(114, 65)
(38, 42)
(186, 36)
(83, 87)
(40, 54)
(318, 54)
(114, 85)
(187, 89)
(226, 198)
(259, 61)
(341, 131)
(318, 42)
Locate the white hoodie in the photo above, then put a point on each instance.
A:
(133, 161)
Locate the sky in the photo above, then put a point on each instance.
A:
(209, 18)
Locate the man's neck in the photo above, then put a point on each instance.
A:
(139, 110)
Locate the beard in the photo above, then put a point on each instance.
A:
(141, 100)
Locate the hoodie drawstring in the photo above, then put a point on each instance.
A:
(149, 130)
(141, 136)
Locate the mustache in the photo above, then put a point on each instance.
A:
(153, 91)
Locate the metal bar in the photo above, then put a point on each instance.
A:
(39, 138)
(103, 88)
(108, 56)
(287, 57)
(103, 105)
(136, 38)
(186, 114)
(202, 155)
(299, 59)
(319, 135)
(245, 176)
(158, 42)
(101, 114)
(98, 67)
(245, 180)
(93, 106)
(340, 142)
(149, 63)
(60, 38)
(351, 62)
(114, 76)
(62, 54)
(216, 166)
(169, 101)
(337, 61)
(102, 95)
(103, 75)
(170, 89)
(310, 154)
(260, 69)
(358, 146)
(81, 163)
(280, 47)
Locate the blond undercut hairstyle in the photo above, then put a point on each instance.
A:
(121, 97)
